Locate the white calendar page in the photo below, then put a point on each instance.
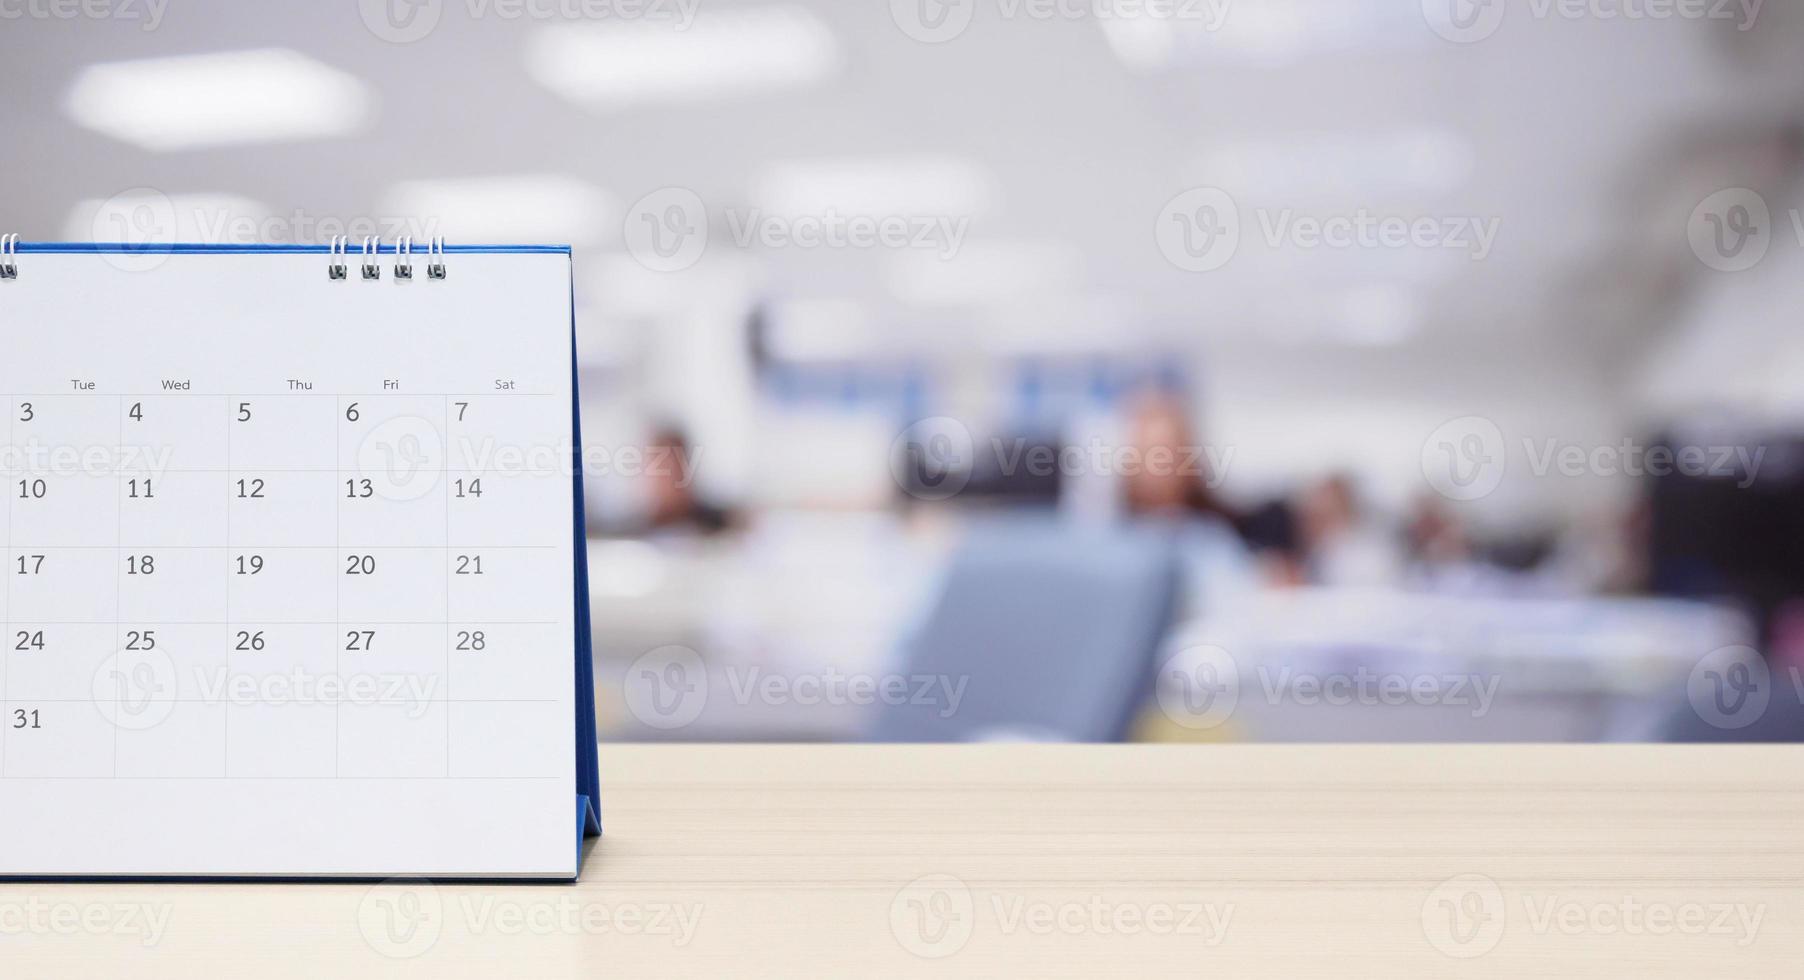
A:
(289, 567)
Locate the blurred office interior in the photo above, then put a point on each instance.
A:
(1276, 370)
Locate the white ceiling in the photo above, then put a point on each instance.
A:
(1564, 132)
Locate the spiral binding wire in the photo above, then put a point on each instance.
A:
(338, 262)
(338, 258)
(404, 259)
(372, 270)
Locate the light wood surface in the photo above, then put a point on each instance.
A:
(1283, 861)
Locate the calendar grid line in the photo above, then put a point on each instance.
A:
(337, 588)
(136, 606)
(514, 393)
(101, 472)
(118, 584)
(226, 485)
(448, 644)
(6, 597)
(300, 547)
(320, 700)
(385, 778)
(144, 620)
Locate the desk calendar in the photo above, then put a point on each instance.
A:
(294, 576)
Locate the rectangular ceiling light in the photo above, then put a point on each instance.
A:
(235, 97)
(926, 184)
(517, 209)
(721, 54)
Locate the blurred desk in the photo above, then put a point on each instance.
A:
(1458, 668)
(869, 860)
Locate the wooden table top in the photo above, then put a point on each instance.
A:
(1283, 861)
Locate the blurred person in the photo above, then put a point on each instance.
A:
(1344, 543)
(1159, 428)
(672, 501)
(1434, 535)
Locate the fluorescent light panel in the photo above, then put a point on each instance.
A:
(916, 185)
(236, 97)
(518, 209)
(722, 53)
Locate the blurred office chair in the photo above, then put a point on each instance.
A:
(1052, 630)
